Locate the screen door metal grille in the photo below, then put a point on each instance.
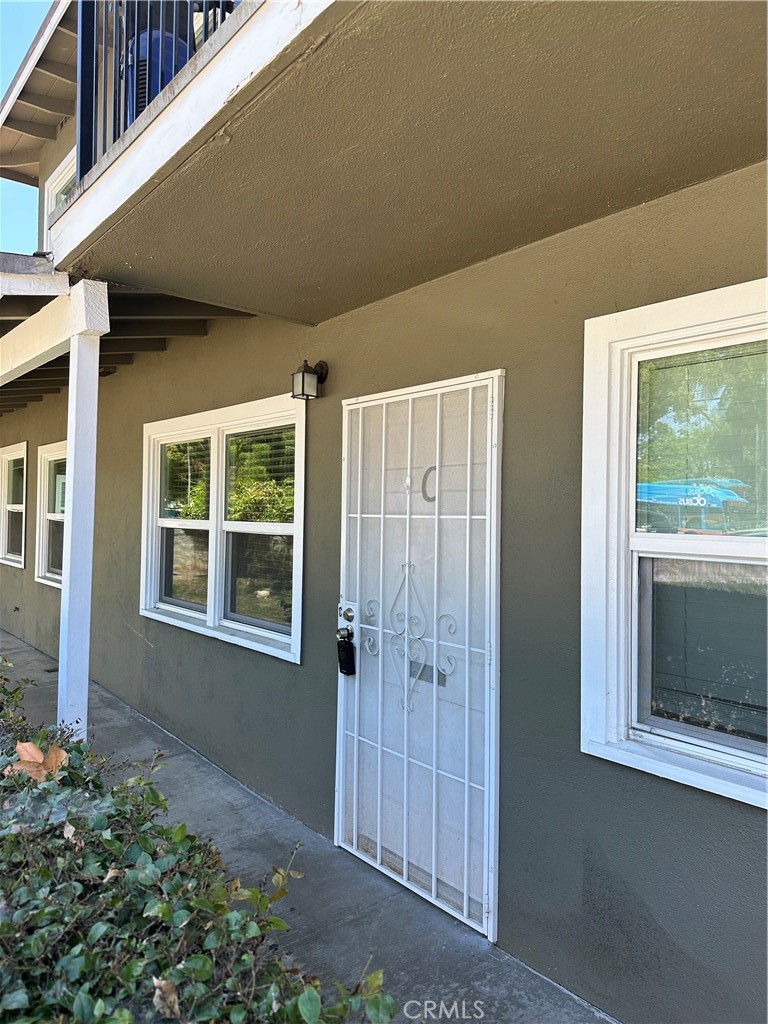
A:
(417, 762)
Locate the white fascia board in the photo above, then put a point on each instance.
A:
(268, 31)
(48, 333)
(35, 52)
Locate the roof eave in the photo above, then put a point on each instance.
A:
(53, 17)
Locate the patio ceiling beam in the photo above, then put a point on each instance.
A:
(124, 329)
(23, 179)
(69, 27)
(31, 390)
(158, 328)
(61, 72)
(16, 308)
(20, 158)
(33, 130)
(112, 353)
(110, 343)
(15, 401)
(108, 359)
(21, 400)
(122, 306)
(58, 376)
(53, 376)
(128, 306)
(49, 104)
(46, 373)
(48, 380)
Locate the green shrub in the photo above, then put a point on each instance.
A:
(13, 722)
(108, 915)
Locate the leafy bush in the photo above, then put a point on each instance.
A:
(107, 915)
(13, 722)
(265, 501)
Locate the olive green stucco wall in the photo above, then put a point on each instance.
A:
(644, 896)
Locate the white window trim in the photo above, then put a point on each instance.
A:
(46, 454)
(53, 186)
(217, 424)
(613, 346)
(8, 455)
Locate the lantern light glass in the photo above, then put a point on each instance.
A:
(305, 382)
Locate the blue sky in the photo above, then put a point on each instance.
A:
(19, 22)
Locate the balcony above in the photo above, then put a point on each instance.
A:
(312, 158)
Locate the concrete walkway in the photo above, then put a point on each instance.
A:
(342, 911)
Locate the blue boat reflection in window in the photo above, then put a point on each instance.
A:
(698, 505)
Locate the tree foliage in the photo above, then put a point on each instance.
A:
(706, 417)
(260, 477)
(186, 486)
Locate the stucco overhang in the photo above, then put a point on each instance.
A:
(393, 143)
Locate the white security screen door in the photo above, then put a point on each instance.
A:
(417, 743)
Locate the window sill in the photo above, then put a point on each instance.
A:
(13, 562)
(48, 582)
(660, 759)
(277, 648)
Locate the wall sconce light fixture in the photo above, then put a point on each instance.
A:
(305, 383)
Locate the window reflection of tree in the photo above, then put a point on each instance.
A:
(705, 417)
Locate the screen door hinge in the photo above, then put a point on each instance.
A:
(489, 653)
(490, 407)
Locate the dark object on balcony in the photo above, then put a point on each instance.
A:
(166, 40)
(128, 51)
(158, 48)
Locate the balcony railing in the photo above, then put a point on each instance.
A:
(128, 52)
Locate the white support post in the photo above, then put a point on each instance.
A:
(75, 625)
(90, 319)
